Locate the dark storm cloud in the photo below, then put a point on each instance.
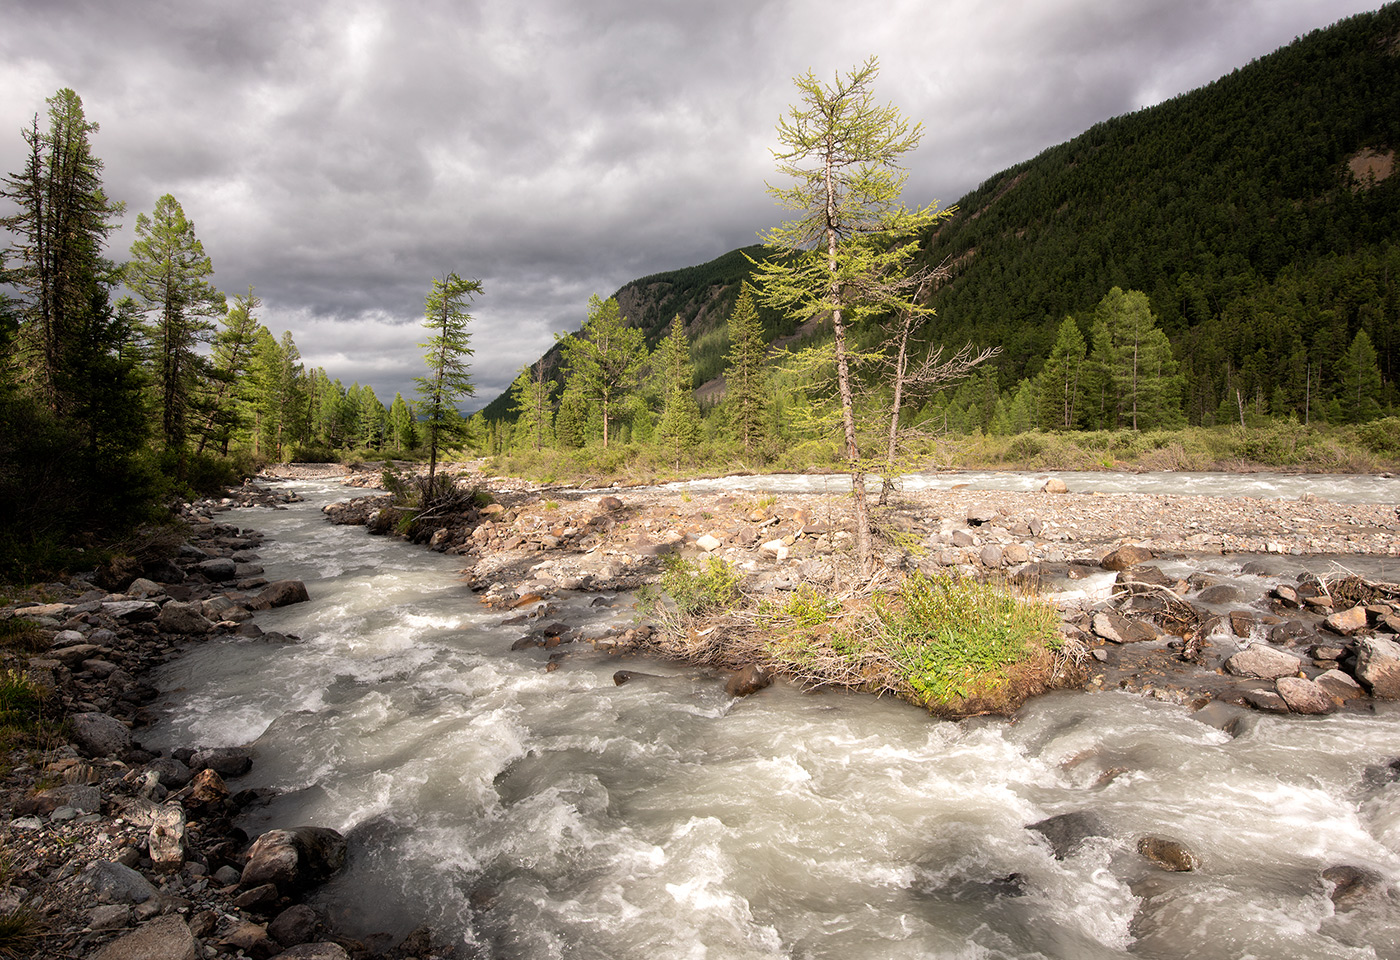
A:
(338, 156)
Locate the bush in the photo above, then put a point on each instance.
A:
(699, 586)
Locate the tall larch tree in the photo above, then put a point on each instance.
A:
(846, 253)
(448, 355)
(169, 274)
(604, 360)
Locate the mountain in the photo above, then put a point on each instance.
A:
(1259, 213)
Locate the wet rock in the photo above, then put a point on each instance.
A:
(132, 611)
(225, 761)
(1221, 715)
(315, 951)
(1118, 629)
(294, 859)
(111, 882)
(1335, 683)
(1287, 596)
(1125, 557)
(165, 938)
(178, 617)
(1304, 696)
(280, 593)
(1265, 700)
(218, 569)
(99, 735)
(748, 680)
(1378, 666)
(170, 773)
(1353, 886)
(295, 925)
(1067, 831)
(252, 939)
(1263, 662)
(1348, 623)
(1168, 854)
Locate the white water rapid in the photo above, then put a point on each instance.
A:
(529, 814)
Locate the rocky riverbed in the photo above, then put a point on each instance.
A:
(118, 853)
(1187, 598)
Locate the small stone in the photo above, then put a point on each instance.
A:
(1348, 623)
(1168, 854)
(708, 543)
(1125, 557)
(1304, 696)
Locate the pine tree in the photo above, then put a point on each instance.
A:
(679, 426)
(169, 273)
(448, 350)
(571, 420)
(532, 407)
(603, 361)
(1062, 380)
(1360, 391)
(745, 380)
(233, 348)
(402, 425)
(848, 251)
(1134, 363)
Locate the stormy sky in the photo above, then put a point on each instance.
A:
(338, 156)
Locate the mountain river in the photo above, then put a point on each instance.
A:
(529, 814)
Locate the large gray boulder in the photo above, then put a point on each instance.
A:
(178, 617)
(99, 735)
(165, 938)
(1304, 696)
(1378, 666)
(294, 859)
(112, 882)
(1264, 662)
(217, 569)
(282, 592)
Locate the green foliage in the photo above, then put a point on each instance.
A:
(804, 608)
(679, 426)
(19, 933)
(745, 395)
(603, 362)
(448, 351)
(21, 702)
(700, 586)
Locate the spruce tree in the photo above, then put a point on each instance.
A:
(1062, 380)
(448, 351)
(604, 360)
(679, 426)
(532, 407)
(744, 379)
(233, 348)
(1360, 392)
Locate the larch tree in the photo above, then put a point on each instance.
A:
(679, 426)
(532, 407)
(846, 252)
(169, 274)
(605, 358)
(233, 350)
(448, 358)
(745, 378)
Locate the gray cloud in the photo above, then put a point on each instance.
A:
(338, 156)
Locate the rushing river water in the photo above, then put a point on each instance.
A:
(535, 815)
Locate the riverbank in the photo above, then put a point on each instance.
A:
(112, 851)
(1177, 597)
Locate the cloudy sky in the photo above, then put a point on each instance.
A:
(338, 156)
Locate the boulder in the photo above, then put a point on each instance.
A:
(323, 950)
(207, 788)
(748, 680)
(225, 761)
(132, 611)
(218, 569)
(251, 939)
(1378, 666)
(992, 556)
(1054, 485)
(295, 925)
(185, 618)
(1125, 557)
(143, 589)
(99, 735)
(1348, 623)
(609, 504)
(1168, 854)
(294, 859)
(165, 938)
(1066, 831)
(112, 882)
(708, 543)
(1335, 683)
(280, 593)
(1015, 553)
(166, 838)
(1304, 696)
(1114, 628)
(1264, 662)
(1353, 886)
(1220, 593)
(1265, 700)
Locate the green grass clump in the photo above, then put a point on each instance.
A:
(22, 636)
(956, 639)
(19, 933)
(21, 702)
(699, 586)
(806, 607)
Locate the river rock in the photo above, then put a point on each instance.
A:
(992, 555)
(295, 925)
(1265, 700)
(1378, 666)
(748, 680)
(1054, 485)
(1125, 557)
(143, 589)
(166, 838)
(1067, 831)
(132, 611)
(176, 617)
(170, 773)
(207, 789)
(294, 859)
(251, 939)
(708, 543)
(1353, 886)
(315, 951)
(116, 883)
(1348, 623)
(1114, 628)
(1335, 683)
(218, 569)
(280, 593)
(1304, 696)
(99, 735)
(165, 938)
(1264, 662)
(1168, 854)
(225, 761)
(1220, 593)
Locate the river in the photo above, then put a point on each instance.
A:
(538, 814)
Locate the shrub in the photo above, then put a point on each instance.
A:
(699, 586)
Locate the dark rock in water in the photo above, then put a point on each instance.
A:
(1304, 696)
(171, 773)
(297, 924)
(99, 735)
(1066, 831)
(225, 761)
(1380, 774)
(284, 592)
(219, 568)
(1168, 854)
(1334, 683)
(1265, 700)
(183, 618)
(1221, 716)
(1220, 593)
(1353, 886)
(294, 859)
(748, 680)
